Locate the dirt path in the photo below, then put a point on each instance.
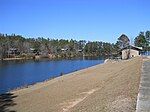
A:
(102, 88)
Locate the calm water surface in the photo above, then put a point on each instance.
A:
(14, 74)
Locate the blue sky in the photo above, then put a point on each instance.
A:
(102, 20)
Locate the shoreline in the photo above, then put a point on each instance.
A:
(54, 78)
(49, 79)
(57, 58)
(103, 87)
(11, 59)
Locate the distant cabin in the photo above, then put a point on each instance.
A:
(64, 49)
(80, 50)
(130, 51)
(13, 51)
(32, 50)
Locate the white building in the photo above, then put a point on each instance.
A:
(130, 51)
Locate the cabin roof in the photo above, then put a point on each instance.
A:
(12, 49)
(132, 47)
(32, 49)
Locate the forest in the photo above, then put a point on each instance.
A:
(17, 46)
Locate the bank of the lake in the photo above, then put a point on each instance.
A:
(19, 73)
(107, 87)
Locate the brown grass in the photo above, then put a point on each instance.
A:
(110, 87)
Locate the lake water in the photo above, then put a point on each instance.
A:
(14, 74)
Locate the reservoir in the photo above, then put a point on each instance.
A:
(15, 74)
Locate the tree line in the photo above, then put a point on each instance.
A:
(19, 46)
(12, 46)
(143, 40)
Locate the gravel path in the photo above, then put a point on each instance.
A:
(143, 101)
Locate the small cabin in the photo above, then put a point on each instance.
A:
(64, 49)
(80, 50)
(130, 52)
(13, 51)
